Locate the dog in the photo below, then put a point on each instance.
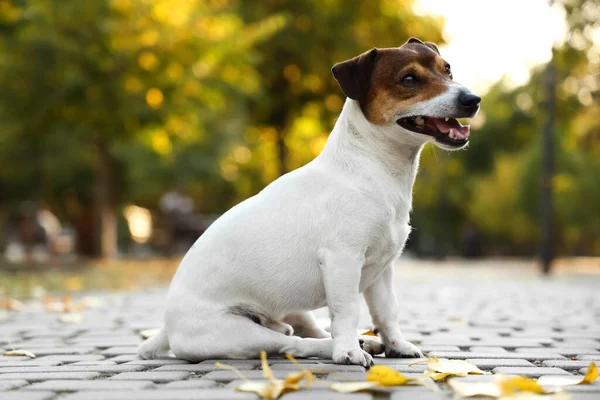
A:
(324, 233)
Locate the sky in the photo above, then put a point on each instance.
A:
(491, 38)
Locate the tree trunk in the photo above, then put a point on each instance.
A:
(105, 221)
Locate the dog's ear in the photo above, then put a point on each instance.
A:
(433, 47)
(414, 40)
(354, 75)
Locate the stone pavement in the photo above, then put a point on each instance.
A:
(502, 318)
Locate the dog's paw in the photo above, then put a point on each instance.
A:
(353, 357)
(402, 349)
(371, 344)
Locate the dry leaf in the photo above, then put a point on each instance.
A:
(536, 396)
(353, 387)
(385, 376)
(453, 367)
(20, 353)
(510, 386)
(368, 333)
(274, 388)
(13, 305)
(148, 333)
(436, 376)
(560, 380)
(468, 389)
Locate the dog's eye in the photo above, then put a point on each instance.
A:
(449, 70)
(409, 80)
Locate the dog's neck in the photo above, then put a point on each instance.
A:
(365, 151)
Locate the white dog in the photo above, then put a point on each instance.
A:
(324, 233)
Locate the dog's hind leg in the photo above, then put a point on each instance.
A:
(214, 334)
(305, 325)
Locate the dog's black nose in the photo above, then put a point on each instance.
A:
(469, 100)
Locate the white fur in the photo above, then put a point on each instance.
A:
(317, 236)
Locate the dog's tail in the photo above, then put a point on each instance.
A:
(156, 346)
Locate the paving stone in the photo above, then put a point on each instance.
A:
(62, 350)
(97, 384)
(174, 394)
(65, 358)
(569, 365)
(158, 362)
(30, 363)
(588, 357)
(22, 395)
(117, 351)
(12, 359)
(429, 348)
(487, 363)
(487, 349)
(47, 376)
(227, 376)
(319, 368)
(534, 372)
(244, 364)
(154, 376)
(12, 384)
(541, 355)
(126, 358)
(416, 393)
(189, 384)
(195, 368)
(78, 368)
(584, 396)
(101, 362)
(325, 395)
(568, 351)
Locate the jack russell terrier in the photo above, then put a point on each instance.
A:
(325, 233)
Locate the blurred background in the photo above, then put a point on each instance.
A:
(128, 126)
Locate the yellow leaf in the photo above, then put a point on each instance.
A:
(385, 376)
(436, 376)
(591, 374)
(454, 367)
(20, 353)
(352, 387)
(368, 333)
(559, 380)
(509, 386)
(70, 318)
(468, 389)
(537, 396)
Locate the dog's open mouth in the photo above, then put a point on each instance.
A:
(445, 130)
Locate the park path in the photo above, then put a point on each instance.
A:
(499, 316)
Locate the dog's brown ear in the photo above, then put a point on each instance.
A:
(433, 47)
(354, 75)
(414, 40)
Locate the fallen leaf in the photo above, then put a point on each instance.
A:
(436, 376)
(148, 333)
(559, 380)
(454, 367)
(13, 305)
(368, 333)
(353, 387)
(20, 353)
(468, 389)
(385, 376)
(511, 386)
(536, 396)
(273, 388)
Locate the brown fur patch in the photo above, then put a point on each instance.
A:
(387, 96)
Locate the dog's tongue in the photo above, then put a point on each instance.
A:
(440, 124)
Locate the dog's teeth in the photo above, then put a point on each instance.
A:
(419, 120)
(451, 134)
(446, 119)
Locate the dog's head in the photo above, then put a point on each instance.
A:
(409, 90)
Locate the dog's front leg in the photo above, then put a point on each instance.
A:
(383, 306)
(341, 274)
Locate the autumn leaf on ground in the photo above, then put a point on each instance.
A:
(353, 387)
(385, 376)
(70, 318)
(273, 388)
(536, 396)
(559, 380)
(13, 305)
(511, 386)
(19, 353)
(469, 389)
(453, 367)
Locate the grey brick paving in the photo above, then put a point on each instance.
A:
(529, 371)
(525, 326)
(73, 386)
(154, 376)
